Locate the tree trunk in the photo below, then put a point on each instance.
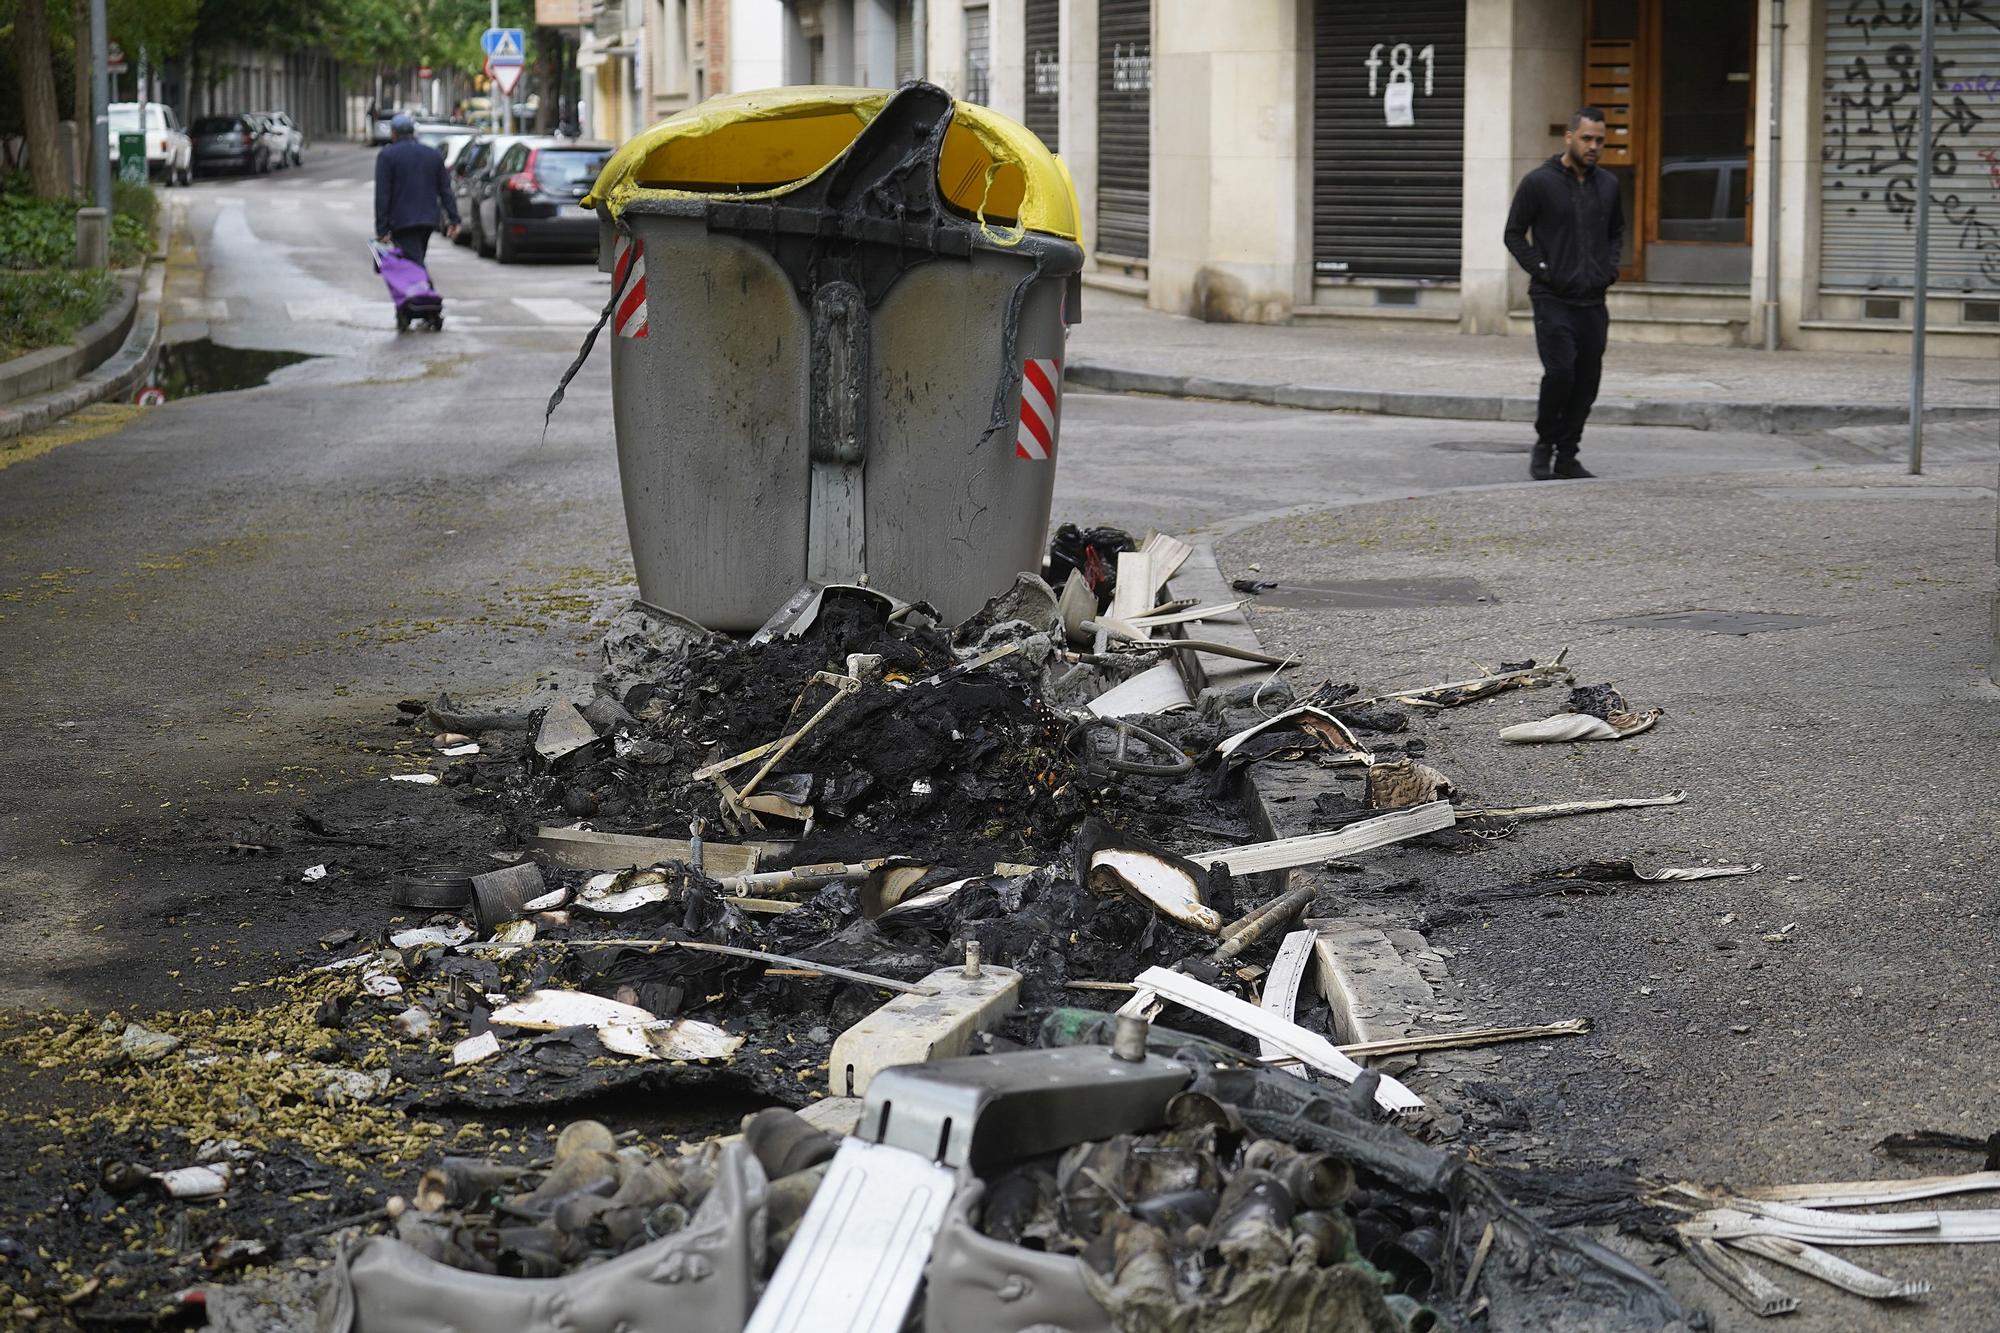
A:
(38, 99)
(548, 75)
(86, 124)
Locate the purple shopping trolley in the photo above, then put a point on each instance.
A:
(409, 287)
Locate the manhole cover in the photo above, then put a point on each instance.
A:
(1719, 622)
(1485, 446)
(1367, 594)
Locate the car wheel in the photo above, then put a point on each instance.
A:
(484, 244)
(503, 246)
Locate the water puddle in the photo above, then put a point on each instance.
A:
(189, 369)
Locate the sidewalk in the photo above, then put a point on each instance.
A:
(1123, 346)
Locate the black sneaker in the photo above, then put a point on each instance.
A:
(1568, 469)
(1541, 464)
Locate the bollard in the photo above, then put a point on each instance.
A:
(93, 238)
(66, 150)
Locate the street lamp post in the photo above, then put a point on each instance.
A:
(100, 104)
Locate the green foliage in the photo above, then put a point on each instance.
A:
(49, 308)
(41, 233)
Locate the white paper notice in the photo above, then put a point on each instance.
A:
(1398, 106)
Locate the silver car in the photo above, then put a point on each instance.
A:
(290, 145)
(272, 136)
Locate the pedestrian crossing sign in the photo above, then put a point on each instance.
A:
(504, 46)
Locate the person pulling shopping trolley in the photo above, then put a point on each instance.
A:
(411, 185)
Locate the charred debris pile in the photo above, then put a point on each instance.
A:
(886, 878)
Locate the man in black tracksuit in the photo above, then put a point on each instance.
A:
(1566, 228)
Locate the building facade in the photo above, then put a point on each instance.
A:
(1353, 160)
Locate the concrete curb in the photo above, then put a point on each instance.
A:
(116, 376)
(1689, 413)
(1373, 987)
(44, 370)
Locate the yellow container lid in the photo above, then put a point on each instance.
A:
(759, 145)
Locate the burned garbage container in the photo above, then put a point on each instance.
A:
(838, 319)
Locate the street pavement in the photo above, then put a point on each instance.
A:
(210, 609)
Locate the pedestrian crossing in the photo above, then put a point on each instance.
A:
(490, 314)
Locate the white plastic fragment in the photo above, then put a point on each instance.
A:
(1288, 1038)
(416, 1021)
(625, 1029)
(515, 932)
(456, 751)
(1168, 888)
(418, 937)
(474, 1049)
(1561, 727)
(314, 874)
(381, 984)
(554, 898)
(194, 1182)
(421, 779)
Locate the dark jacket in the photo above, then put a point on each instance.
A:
(1578, 227)
(410, 184)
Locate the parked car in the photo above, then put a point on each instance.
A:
(293, 148)
(379, 132)
(530, 205)
(450, 140)
(230, 143)
(276, 158)
(469, 180)
(169, 152)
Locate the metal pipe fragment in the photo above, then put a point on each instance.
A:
(1248, 930)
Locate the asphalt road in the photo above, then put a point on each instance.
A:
(209, 609)
(219, 602)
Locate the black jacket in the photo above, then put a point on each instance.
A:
(411, 184)
(1578, 227)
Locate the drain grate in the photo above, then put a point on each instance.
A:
(1372, 594)
(1719, 622)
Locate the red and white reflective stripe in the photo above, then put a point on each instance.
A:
(628, 279)
(1037, 436)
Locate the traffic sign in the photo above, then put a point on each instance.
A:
(423, 71)
(505, 77)
(151, 396)
(114, 58)
(504, 46)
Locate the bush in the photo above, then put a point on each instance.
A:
(41, 233)
(48, 308)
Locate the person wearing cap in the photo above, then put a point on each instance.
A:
(411, 183)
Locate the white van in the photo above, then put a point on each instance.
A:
(169, 151)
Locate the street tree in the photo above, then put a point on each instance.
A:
(35, 71)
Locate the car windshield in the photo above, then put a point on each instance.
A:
(566, 168)
(215, 125)
(123, 119)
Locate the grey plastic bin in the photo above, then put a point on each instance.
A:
(826, 382)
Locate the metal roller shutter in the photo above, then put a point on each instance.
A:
(906, 41)
(1388, 164)
(1042, 24)
(1124, 127)
(1868, 149)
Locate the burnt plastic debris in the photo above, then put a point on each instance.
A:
(1092, 552)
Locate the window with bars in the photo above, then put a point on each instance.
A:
(978, 56)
